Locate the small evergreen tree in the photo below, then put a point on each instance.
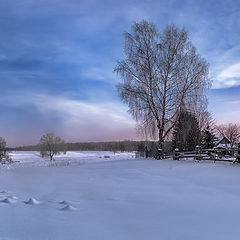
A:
(207, 138)
(4, 156)
(186, 134)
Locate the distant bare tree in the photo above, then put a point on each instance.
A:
(4, 156)
(205, 119)
(51, 145)
(162, 75)
(231, 131)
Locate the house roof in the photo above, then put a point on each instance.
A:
(222, 140)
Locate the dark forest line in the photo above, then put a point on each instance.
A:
(96, 146)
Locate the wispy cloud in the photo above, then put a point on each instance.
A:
(57, 59)
(75, 119)
(228, 77)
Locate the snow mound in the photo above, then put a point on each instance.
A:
(13, 197)
(68, 208)
(32, 201)
(65, 202)
(3, 192)
(8, 200)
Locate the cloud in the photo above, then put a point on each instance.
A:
(104, 74)
(231, 72)
(70, 110)
(75, 120)
(53, 50)
(228, 77)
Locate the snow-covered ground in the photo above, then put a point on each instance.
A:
(32, 158)
(118, 198)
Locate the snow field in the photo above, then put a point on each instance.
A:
(126, 199)
(33, 159)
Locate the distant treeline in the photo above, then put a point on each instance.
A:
(98, 146)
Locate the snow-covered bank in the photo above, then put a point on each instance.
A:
(33, 158)
(121, 200)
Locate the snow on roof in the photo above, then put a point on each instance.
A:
(219, 139)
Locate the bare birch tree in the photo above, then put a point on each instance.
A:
(205, 119)
(230, 131)
(162, 74)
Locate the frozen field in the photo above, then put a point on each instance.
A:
(83, 195)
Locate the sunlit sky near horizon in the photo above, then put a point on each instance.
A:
(57, 59)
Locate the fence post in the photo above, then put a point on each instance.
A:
(198, 155)
(176, 154)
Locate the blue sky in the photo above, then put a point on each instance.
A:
(57, 59)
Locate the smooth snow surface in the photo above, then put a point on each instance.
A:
(83, 195)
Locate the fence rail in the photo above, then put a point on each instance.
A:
(224, 155)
